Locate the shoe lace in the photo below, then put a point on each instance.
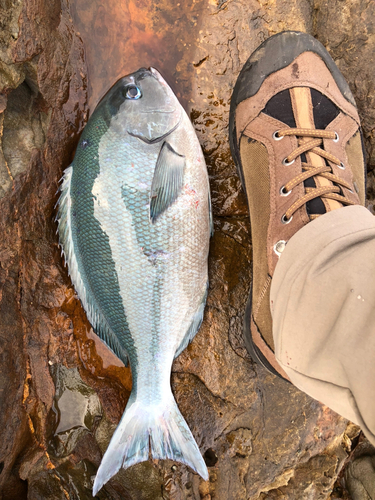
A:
(309, 170)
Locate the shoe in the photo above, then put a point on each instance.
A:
(296, 140)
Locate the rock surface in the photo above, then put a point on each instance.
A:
(61, 392)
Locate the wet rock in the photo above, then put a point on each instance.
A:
(62, 392)
(5, 176)
(77, 409)
(240, 443)
(360, 478)
(28, 252)
(357, 473)
(351, 46)
(23, 129)
(11, 74)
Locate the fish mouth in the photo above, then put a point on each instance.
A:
(155, 73)
(156, 139)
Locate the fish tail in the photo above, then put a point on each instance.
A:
(143, 428)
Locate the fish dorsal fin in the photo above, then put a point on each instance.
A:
(168, 180)
(69, 251)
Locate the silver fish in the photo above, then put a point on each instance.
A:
(134, 222)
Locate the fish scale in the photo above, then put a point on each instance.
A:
(134, 224)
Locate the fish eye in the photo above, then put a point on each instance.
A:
(132, 92)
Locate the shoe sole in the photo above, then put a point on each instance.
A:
(281, 50)
(255, 353)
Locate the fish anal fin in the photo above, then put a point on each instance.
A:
(167, 181)
(194, 325)
(107, 336)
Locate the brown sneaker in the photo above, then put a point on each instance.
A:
(295, 137)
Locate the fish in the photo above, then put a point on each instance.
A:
(134, 222)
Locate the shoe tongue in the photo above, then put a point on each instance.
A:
(324, 111)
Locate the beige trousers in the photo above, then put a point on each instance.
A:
(323, 307)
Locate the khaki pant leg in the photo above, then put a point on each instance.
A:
(323, 306)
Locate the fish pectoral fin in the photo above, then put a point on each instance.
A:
(168, 180)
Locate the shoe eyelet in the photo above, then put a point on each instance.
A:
(336, 139)
(283, 192)
(286, 164)
(284, 220)
(277, 137)
(279, 247)
(342, 166)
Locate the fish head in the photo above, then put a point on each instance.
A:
(142, 105)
